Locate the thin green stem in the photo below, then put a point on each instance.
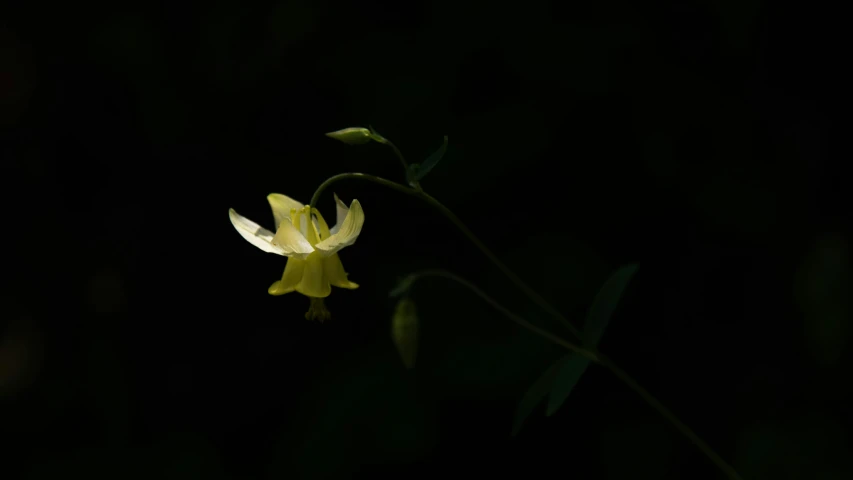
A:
(379, 138)
(595, 356)
(461, 226)
(399, 154)
(591, 353)
(494, 259)
(497, 306)
(360, 176)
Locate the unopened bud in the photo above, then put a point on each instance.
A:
(352, 135)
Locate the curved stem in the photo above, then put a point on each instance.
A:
(678, 424)
(384, 141)
(494, 259)
(591, 354)
(362, 176)
(413, 181)
(595, 356)
(497, 306)
(461, 226)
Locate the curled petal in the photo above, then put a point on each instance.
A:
(254, 233)
(341, 210)
(281, 206)
(320, 225)
(347, 233)
(291, 242)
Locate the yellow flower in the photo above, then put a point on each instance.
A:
(311, 247)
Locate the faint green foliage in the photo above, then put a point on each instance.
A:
(569, 280)
(534, 396)
(637, 450)
(417, 171)
(571, 367)
(360, 410)
(573, 275)
(403, 286)
(476, 352)
(569, 371)
(605, 303)
(823, 293)
(812, 446)
(404, 331)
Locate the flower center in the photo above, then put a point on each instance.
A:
(314, 230)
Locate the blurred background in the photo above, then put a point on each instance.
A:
(137, 338)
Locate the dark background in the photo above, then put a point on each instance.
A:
(696, 138)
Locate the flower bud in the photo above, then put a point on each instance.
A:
(352, 135)
(404, 331)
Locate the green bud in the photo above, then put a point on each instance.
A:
(352, 135)
(404, 331)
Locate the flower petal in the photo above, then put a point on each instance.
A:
(335, 272)
(314, 282)
(254, 233)
(346, 235)
(291, 242)
(290, 278)
(341, 214)
(281, 206)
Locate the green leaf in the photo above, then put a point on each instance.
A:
(605, 303)
(533, 396)
(569, 371)
(430, 162)
(572, 367)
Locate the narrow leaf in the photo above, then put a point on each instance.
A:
(430, 162)
(605, 304)
(533, 396)
(572, 367)
(569, 371)
(412, 174)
